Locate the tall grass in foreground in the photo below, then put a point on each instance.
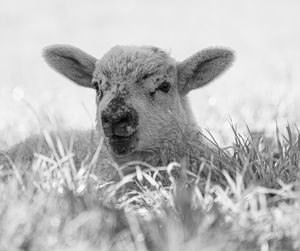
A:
(247, 199)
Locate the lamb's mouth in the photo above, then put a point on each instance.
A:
(123, 145)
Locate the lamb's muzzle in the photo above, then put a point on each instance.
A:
(119, 123)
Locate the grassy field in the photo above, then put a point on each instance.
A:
(247, 200)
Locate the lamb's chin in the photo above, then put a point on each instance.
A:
(123, 146)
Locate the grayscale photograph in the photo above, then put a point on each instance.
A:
(150, 125)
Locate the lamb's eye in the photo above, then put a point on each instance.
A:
(164, 87)
(96, 86)
(145, 76)
(99, 92)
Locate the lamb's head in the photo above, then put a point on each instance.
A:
(141, 92)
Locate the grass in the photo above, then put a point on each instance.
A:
(248, 200)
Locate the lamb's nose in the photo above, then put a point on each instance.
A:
(121, 123)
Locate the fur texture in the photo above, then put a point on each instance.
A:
(166, 129)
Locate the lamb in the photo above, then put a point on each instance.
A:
(143, 113)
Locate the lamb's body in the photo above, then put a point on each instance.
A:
(84, 147)
(189, 150)
(142, 108)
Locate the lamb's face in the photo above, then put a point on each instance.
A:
(140, 92)
(137, 99)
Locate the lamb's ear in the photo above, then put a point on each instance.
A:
(203, 67)
(71, 62)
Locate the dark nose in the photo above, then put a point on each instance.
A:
(120, 122)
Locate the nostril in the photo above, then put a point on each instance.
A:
(105, 119)
(106, 125)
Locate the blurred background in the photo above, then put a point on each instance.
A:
(260, 90)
